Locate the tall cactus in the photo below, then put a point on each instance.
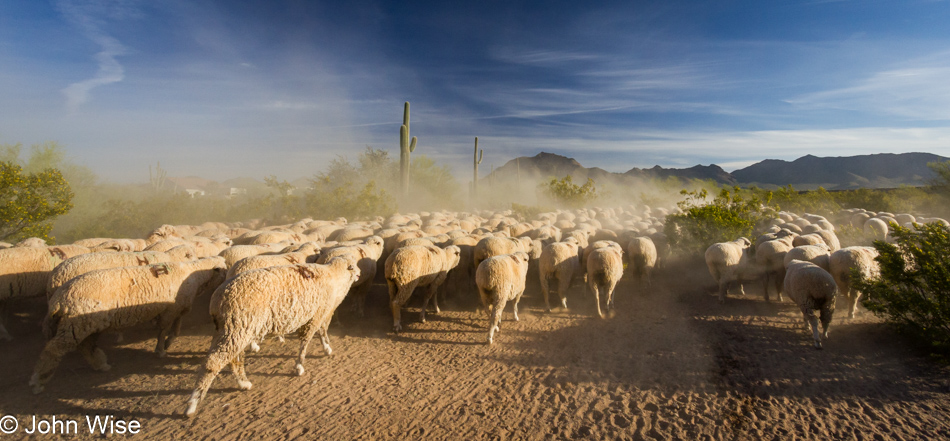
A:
(477, 159)
(158, 180)
(405, 148)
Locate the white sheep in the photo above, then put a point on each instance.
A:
(817, 254)
(813, 290)
(25, 271)
(604, 270)
(843, 261)
(726, 262)
(235, 253)
(278, 300)
(501, 279)
(875, 228)
(116, 298)
(770, 257)
(78, 265)
(366, 256)
(495, 246)
(307, 254)
(642, 255)
(416, 266)
(559, 263)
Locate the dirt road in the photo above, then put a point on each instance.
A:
(670, 364)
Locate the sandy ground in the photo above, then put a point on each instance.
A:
(670, 364)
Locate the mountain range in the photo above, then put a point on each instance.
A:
(883, 170)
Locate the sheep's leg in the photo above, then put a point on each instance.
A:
(779, 282)
(306, 335)
(610, 295)
(165, 323)
(325, 340)
(94, 355)
(813, 323)
(435, 298)
(595, 288)
(723, 287)
(217, 360)
(827, 311)
(515, 305)
(545, 290)
(359, 297)
(396, 301)
(563, 285)
(495, 321)
(175, 332)
(49, 359)
(240, 374)
(430, 294)
(768, 277)
(853, 297)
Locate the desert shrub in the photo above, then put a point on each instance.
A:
(728, 216)
(30, 201)
(913, 290)
(818, 201)
(565, 193)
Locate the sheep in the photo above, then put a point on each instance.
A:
(25, 271)
(235, 253)
(415, 266)
(770, 257)
(82, 264)
(501, 279)
(277, 300)
(307, 254)
(116, 298)
(843, 261)
(604, 270)
(560, 262)
(642, 255)
(875, 228)
(33, 242)
(817, 254)
(126, 245)
(494, 246)
(366, 256)
(726, 262)
(813, 290)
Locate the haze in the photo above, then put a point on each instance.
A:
(225, 89)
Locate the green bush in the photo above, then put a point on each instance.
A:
(913, 290)
(729, 216)
(30, 201)
(565, 193)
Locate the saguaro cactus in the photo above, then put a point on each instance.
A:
(158, 180)
(405, 148)
(477, 159)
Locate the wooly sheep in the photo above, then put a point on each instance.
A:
(278, 300)
(308, 254)
(642, 255)
(84, 263)
(559, 263)
(25, 271)
(235, 253)
(875, 228)
(501, 279)
(495, 246)
(116, 298)
(417, 266)
(817, 254)
(366, 256)
(813, 290)
(604, 270)
(770, 257)
(843, 261)
(726, 262)
(33, 242)
(120, 245)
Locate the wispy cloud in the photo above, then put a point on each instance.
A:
(919, 90)
(90, 17)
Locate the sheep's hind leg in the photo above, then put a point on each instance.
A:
(493, 324)
(399, 297)
(4, 335)
(173, 335)
(325, 340)
(94, 355)
(430, 295)
(165, 324)
(216, 361)
(306, 335)
(237, 368)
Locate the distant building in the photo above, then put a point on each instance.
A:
(236, 191)
(194, 191)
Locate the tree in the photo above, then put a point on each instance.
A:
(30, 202)
(729, 216)
(566, 193)
(913, 290)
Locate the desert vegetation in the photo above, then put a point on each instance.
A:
(625, 301)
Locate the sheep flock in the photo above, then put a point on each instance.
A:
(263, 282)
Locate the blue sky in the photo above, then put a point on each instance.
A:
(223, 89)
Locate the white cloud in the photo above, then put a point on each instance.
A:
(90, 18)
